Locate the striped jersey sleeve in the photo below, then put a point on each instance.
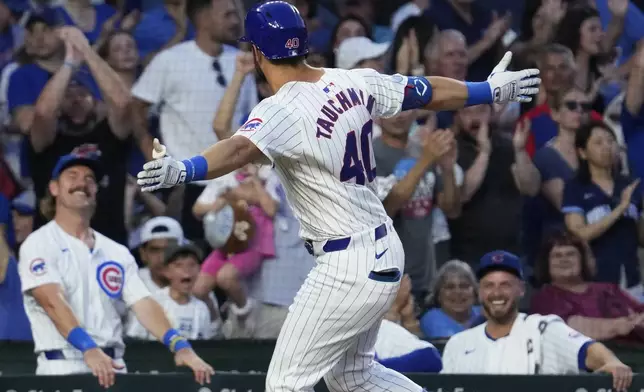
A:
(274, 129)
(563, 348)
(388, 90)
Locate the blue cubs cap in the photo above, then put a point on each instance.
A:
(500, 260)
(90, 160)
(277, 29)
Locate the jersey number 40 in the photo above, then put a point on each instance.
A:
(357, 164)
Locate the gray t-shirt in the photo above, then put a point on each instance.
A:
(413, 222)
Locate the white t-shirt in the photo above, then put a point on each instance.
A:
(183, 81)
(395, 341)
(558, 346)
(146, 277)
(95, 283)
(192, 320)
(319, 138)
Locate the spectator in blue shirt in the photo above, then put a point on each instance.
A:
(603, 207)
(89, 18)
(632, 116)
(629, 21)
(13, 320)
(161, 28)
(452, 305)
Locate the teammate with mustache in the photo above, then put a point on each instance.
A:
(511, 342)
(75, 280)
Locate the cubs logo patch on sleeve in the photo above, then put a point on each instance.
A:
(38, 267)
(111, 278)
(251, 125)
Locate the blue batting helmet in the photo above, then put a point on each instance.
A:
(277, 29)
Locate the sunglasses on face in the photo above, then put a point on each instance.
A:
(578, 106)
(221, 80)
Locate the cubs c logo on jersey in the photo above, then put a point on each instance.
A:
(251, 125)
(111, 278)
(38, 267)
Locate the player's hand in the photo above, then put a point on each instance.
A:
(187, 357)
(162, 172)
(513, 86)
(622, 374)
(102, 366)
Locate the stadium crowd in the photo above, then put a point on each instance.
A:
(555, 181)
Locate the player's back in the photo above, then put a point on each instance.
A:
(319, 136)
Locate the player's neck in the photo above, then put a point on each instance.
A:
(179, 297)
(75, 225)
(207, 45)
(281, 75)
(497, 330)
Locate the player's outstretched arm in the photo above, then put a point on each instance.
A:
(52, 300)
(439, 93)
(601, 360)
(221, 158)
(151, 315)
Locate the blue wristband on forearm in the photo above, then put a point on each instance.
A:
(196, 168)
(80, 339)
(175, 341)
(479, 93)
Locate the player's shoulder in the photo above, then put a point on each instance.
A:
(468, 336)
(112, 248)
(273, 109)
(39, 238)
(540, 321)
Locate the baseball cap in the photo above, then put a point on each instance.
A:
(46, 17)
(161, 227)
(181, 247)
(24, 203)
(356, 49)
(500, 260)
(89, 159)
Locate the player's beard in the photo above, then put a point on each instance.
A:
(502, 318)
(258, 70)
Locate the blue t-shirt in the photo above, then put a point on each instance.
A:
(617, 246)
(633, 130)
(14, 324)
(7, 220)
(103, 13)
(633, 27)
(539, 215)
(155, 29)
(437, 324)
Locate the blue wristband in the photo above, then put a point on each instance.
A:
(479, 93)
(175, 341)
(196, 168)
(80, 339)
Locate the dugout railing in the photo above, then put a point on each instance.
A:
(17, 358)
(225, 382)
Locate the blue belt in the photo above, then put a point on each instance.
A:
(338, 244)
(58, 354)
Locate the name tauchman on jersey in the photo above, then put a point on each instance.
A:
(344, 100)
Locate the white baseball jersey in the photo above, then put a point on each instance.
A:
(318, 136)
(395, 341)
(536, 345)
(94, 281)
(192, 320)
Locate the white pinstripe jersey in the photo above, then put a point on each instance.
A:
(95, 283)
(555, 345)
(192, 320)
(318, 136)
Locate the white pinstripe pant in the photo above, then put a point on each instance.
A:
(331, 327)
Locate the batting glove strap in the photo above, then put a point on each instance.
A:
(174, 341)
(478, 93)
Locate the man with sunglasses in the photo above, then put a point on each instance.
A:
(188, 82)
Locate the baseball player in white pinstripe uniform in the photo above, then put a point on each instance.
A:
(74, 280)
(515, 343)
(316, 131)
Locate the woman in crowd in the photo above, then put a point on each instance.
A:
(121, 53)
(601, 311)
(603, 207)
(538, 26)
(452, 308)
(350, 26)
